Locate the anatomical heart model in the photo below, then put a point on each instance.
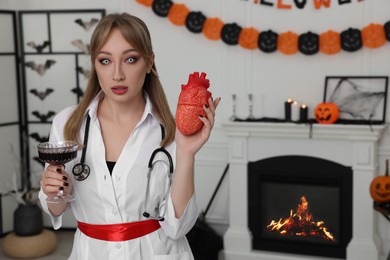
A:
(192, 99)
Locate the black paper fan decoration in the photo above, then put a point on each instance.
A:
(351, 40)
(230, 33)
(308, 43)
(195, 21)
(161, 7)
(268, 41)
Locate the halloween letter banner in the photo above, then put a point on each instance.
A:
(330, 42)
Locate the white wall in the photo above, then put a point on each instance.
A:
(271, 78)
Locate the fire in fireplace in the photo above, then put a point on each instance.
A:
(300, 204)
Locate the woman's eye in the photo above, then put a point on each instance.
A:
(131, 60)
(104, 61)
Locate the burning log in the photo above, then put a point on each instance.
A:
(301, 223)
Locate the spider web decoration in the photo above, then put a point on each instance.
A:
(359, 99)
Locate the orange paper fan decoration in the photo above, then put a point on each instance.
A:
(248, 38)
(178, 13)
(288, 43)
(373, 35)
(212, 28)
(330, 42)
(147, 3)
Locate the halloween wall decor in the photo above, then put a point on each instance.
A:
(387, 30)
(268, 41)
(87, 25)
(326, 113)
(380, 187)
(248, 38)
(38, 47)
(230, 33)
(161, 7)
(41, 94)
(177, 14)
(330, 42)
(373, 35)
(194, 22)
(40, 68)
(308, 43)
(212, 28)
(288, 43)
(360, 99)
(351, 40)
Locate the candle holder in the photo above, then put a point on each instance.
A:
(233, 116)
(250, 97)
(287, 110)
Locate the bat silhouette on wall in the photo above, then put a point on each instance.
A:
(38, 138)
(38, 47)
(41, 94)
(87, 25)
(40, 68)
(43, 117)
(81, 46)
(83, 71)
(78, 91)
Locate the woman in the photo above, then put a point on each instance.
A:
(129, 118)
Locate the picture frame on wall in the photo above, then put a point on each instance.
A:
(360, 99)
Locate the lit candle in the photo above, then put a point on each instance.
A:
(295, 111)
(303, 113)
(287, 109)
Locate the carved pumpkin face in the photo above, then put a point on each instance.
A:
(387, 30)
(161, 7)
(230, 33)
(308, 43)
(195, 21)
(326, 113)
(268, 41)
(351, 40)
(380, 189)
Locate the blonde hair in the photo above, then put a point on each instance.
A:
(135, 32)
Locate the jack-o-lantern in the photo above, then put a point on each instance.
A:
(230, 33)
(386, 26)
(308, 43)
(248, 38)
(380, 187)
(351, 40)
(268, 41)
(195, 21)
(326, 113)
(161, 7)
(178, 13)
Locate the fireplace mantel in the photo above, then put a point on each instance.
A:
(350, 145)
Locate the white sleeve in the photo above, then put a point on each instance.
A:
(176, 228)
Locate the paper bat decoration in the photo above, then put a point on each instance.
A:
(41, 94)
(87, 25)
(37, 47)
(38, 138)
(83, 71)
(40, 68)
(78, 91)
(43, 117)
(81, 46)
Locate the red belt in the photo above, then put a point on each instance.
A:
(119, 232)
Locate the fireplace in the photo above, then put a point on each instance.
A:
(351, 146)
(301, 205)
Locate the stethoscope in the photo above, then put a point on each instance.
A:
(81, 172)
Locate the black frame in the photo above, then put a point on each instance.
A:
(381, 85)
(299, 169)
(15, 53)
(37, 125)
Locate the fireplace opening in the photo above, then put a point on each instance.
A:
(300, 205)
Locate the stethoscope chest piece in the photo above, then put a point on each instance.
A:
(81, 171)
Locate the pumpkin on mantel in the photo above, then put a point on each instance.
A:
(326, 113)
(380, 187)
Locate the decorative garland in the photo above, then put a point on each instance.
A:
(288, 43)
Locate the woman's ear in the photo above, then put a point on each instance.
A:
(151, 62)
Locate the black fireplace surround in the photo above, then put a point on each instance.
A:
(275, 188)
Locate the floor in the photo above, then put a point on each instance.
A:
(62, 251)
